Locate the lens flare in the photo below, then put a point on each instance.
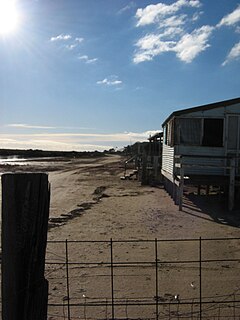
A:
(9, 17)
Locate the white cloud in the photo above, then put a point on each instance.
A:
(171, 32)
(51, 145)
(74, 44)
(190, 45)
(30, 126)
(111, 81)
(230, 19)
(150, 46)
(197, 16)
(72, 141)
(141, 136)
(27, 126)
(173, 21)
(151, 13)
(153, 42)
(71, 46)
(127, 7)
(186, 49)
(87, 60)
(71, 43)
(61, 37)
(172, 27)
(155, 12)
(234, 54)
(79, 39)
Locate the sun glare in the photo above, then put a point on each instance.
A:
(8, 16)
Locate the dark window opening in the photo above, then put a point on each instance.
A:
(213, 133)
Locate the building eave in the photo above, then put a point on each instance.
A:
(205, 107)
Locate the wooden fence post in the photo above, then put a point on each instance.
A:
(144, 170)
(25, 212)
(181, 186)
(231, 185)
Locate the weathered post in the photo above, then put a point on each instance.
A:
(231, 185)
(181, 186)
(25, 211)
(144, 170)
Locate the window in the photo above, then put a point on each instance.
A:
(188, 131)
(170, 140)
(165, 134)
(169, 133)
(199, 132)
(213, 133)
(194, 132)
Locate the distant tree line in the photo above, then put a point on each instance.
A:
(36, 153)
(42, 153)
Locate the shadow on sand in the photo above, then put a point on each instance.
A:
(212, 208)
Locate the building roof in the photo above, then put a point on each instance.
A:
(210, 106)
(156, 136)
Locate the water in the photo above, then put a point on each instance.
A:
(12, 160)
(18, 161)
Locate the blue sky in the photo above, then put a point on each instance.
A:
(96, 74)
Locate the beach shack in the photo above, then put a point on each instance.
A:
(152, 160)
(201, 146)
(145, 160)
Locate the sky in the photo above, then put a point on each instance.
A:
(96, 74)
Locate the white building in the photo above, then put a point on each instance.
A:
(203, 139)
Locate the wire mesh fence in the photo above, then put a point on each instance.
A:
(144, 279)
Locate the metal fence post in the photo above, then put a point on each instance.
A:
(67, 273)
(200, 278)
(156, 265)
(234, 306)
(112, 275)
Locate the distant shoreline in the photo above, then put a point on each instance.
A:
(49, 154)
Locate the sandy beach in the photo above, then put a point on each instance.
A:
(89, 202)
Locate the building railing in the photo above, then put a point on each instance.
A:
(182, 165)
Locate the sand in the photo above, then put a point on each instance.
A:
(89, 202)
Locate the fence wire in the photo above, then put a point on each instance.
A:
(144, 279)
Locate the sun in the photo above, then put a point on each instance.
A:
(8, 16)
